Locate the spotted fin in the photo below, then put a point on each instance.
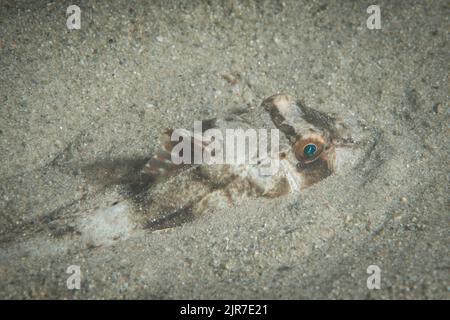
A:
(161, 164)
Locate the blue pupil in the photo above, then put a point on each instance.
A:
(310, 150)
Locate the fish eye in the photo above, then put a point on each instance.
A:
(310, 150)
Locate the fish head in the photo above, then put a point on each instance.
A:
(321, 144)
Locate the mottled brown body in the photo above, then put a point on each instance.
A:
(182, 192)
(129, 195)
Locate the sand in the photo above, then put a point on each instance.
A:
(71, 99)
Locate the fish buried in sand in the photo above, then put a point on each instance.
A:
(137, 196)
(311, 145)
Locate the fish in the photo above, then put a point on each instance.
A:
(156, 194)
(309, 152)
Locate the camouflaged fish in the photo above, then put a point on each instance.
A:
(160, 194)
(311, 145)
